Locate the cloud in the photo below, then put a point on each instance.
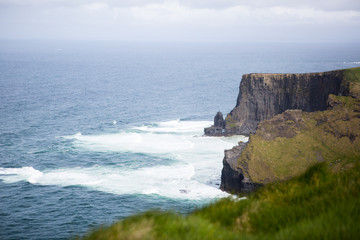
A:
(326, 5)
(183, 20)
(175, 13)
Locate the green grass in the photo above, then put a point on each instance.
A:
(318, 204)
(351, 78)
(352, 74)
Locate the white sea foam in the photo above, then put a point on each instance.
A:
(145, 142)
(168, 181)
(195, 173)
(172, 139)
(175, 126)
(18, 174)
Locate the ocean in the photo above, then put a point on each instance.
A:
(93, 132)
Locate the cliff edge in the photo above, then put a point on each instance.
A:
(263, 95)
(319, 123)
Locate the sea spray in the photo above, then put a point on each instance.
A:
(189, 165)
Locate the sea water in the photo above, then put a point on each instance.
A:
(92, 132)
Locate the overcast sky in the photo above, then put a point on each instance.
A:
(182, 20)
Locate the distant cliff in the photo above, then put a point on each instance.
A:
(285, 145)
(262, 96)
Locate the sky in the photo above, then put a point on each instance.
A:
(182, 20)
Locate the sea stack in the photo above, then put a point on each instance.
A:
(218, 128)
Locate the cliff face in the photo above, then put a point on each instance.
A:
(287, 144)
(262, 96)
(232, 175)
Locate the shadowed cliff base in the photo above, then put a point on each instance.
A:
(289, 143)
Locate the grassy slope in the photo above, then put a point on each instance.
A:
(322, 202)
(319, 204)
(352, 77)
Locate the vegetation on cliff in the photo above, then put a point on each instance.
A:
(352, 81)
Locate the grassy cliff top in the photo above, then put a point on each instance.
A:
(352, 80)
(318, 204)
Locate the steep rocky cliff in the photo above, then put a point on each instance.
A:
(287, 144)
(262, 96)
(233, 176)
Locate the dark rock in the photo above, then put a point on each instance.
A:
(219, 120)
(218, 129)
(214, 131)
(263, 96)
(232, 177)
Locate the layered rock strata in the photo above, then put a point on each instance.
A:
(262, 96)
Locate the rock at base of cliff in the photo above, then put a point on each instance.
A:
(219, 120)
(218, 129)
(213, 131)
(232, 178)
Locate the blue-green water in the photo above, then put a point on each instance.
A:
(94, 132)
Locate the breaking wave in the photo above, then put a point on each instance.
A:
(194, 173)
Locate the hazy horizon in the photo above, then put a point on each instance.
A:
(181, 20)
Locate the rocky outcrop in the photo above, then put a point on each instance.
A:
(218, 128)
(219, 120)
(287, 144)
(232, 177)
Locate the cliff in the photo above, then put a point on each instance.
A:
(287, 144)
(234, 177)
(262, 96)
